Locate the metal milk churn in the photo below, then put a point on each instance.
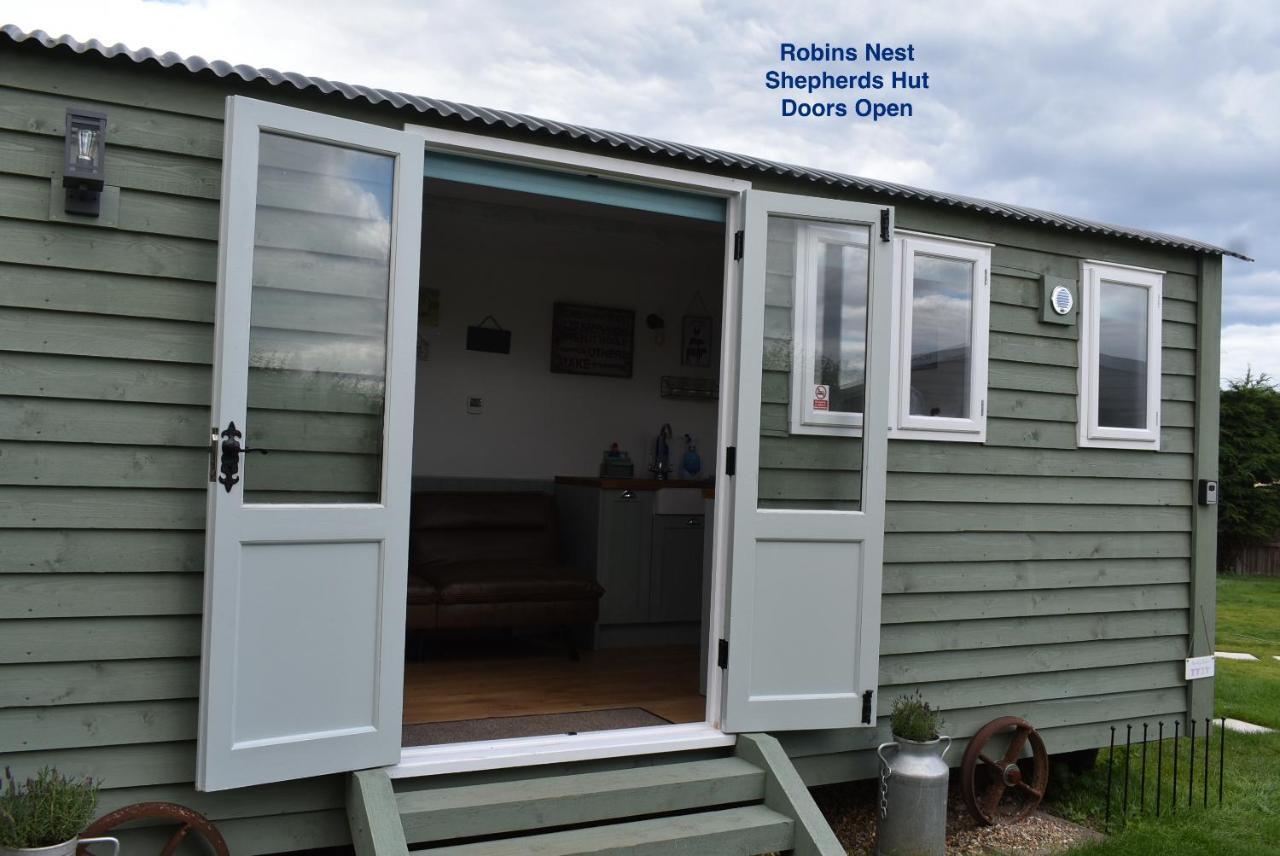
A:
(913, 798)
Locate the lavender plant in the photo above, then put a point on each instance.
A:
(912, 718)
(46, 810)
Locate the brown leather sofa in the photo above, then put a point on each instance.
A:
(492, 559)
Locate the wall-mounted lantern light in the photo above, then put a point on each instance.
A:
(84, 168)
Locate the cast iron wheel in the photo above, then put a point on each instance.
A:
(188, 819)
(1009, 788)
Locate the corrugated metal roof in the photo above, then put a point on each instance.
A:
(605, 139)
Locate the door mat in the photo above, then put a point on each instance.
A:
(502, 727)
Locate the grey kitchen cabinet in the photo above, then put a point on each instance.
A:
(675, 585)
(624, 555)
(650, 565)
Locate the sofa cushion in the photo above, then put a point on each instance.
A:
(509, 581)
(461, 526)
(422, 590)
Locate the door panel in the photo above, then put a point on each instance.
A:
(804, 599)
(307, 544)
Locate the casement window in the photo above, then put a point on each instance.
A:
(830, 338)
(1119, 404)
(941, 309)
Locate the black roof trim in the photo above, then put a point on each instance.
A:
(690, 154)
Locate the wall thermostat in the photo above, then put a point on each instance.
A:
(1061, 300)
(1208, 492)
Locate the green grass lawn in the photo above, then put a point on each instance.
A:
(1249, 615)
(1249, 820)
(1249, 621)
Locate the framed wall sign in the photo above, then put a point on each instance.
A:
(592, 340)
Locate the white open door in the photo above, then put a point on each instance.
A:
(804, 590)
(307, 545)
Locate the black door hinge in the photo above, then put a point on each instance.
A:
(884, 225)
(731, 460)
(722, 655)
(738, 239)
(866, 706)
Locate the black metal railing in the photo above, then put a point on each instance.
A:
(1181, 738)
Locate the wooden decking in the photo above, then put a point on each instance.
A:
(663, 681)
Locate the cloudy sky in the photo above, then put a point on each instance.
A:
(1160, 115)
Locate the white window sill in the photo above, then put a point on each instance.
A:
(1149, 444)
(937, 435)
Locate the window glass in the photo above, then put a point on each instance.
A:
(840, 321)
(1122, 356)
(318, 322)
(941, 330)
(802, 466)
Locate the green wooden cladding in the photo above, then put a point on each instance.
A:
(1023, 575)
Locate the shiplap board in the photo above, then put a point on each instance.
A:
(1000, 576)
(100, 550)
(117, 724)
(1012, 632)
(78, 291)
(91, 681)
(45, 595)
(68, 640)
(1032, 658)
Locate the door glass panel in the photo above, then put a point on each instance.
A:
(1122, 357)
(803, 470)
(318, 323)
(941, 328)
(839, 349)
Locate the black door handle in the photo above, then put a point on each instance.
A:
(231, 450)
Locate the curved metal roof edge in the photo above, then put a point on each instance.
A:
(489, 117)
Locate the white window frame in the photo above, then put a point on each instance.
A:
(903, 424)
(1091, 434)
(804, 324)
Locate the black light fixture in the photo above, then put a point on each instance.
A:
(84, 167)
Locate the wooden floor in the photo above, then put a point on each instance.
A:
(663, 681)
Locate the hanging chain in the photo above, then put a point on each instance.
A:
(885, 773)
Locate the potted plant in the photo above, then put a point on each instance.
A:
(45, 816)
(913, 781)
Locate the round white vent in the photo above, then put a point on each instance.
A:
(1061, 299)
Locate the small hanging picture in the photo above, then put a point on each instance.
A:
(695, 341)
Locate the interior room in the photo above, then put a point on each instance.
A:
(564, 458)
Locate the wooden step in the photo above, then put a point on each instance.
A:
(499, 808)
(743, 831)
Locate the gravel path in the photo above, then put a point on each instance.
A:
(850, 809)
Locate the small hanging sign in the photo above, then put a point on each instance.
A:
(493, 340)
(821, 397)
(1199, 667)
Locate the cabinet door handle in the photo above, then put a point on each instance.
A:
(628, 494)
(693, 521)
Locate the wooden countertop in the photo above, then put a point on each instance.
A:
(636, 484)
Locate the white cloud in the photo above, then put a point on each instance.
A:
(1250, 347)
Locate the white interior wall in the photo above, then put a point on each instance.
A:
(515, 263)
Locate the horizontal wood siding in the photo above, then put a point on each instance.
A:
(1022, 575)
